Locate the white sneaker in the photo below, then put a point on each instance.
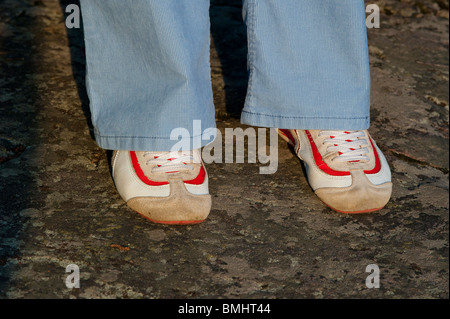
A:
(346, 169)
(164, 187)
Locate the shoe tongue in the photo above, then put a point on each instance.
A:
(174, 154)
(191, 158)
(195, 155)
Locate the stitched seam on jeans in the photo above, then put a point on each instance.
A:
(151, 137)
(251, 46)
(307, 117)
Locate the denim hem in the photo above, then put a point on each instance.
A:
(305, 122)
(150, 143)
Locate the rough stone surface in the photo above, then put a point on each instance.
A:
(267, 236)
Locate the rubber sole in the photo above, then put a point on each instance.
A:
(355, 212)
(172, 222)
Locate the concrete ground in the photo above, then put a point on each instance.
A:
(267, 236)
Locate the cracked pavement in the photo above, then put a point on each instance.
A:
(268, 236)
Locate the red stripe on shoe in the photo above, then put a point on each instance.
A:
(377, 167)
(319, 160)
(140, 173)
(324, 167)
(288, 134)
(199, 179)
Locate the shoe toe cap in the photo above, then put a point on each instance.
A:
(362, 196)
(180, 207)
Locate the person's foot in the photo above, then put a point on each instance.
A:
(164, 187)
(346, 169)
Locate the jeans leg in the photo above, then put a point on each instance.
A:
(308, 64)
(148, 70)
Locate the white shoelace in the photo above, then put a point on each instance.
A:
(350, 145)
(167, 162)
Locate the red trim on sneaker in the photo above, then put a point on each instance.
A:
(319, 160)
(288, 135)
(199, 179)
(324, 167)
(140, 173)
(377, 167)
(137, 168)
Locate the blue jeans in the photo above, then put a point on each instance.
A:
(148, 68)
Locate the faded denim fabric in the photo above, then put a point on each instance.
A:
(148, 69)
